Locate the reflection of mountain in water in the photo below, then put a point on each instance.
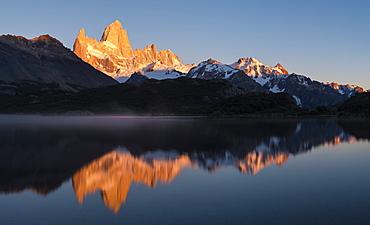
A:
(113, 173)
(306, 136)
(41, 153)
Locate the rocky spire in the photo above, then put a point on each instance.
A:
(78, 47)
(116, 35)
(81, 34)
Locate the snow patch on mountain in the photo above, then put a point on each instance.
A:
(298, 100)
(276, 89)
(160, 71)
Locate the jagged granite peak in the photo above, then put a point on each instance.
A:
(43, 62)
(150, 54)
(113, 55)
(212, 69)
(116, 35)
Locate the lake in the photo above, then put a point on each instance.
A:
(183, 170)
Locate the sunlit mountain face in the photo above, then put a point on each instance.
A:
(113, 55)
(109, 155)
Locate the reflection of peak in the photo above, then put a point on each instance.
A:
(113, 173)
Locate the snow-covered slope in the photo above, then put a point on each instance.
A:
(211, 69)
(308, 93)
(160, 71)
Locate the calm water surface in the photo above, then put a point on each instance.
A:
(145, 170)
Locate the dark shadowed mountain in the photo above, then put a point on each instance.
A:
(308, 93)
(171, 96)
(43, 62)
(137, 78)
(356, 106)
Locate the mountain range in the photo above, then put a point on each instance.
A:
(113, 55)
(43, 62)
(308, 93)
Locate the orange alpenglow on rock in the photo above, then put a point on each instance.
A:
(116, 35)
(113, 55)
(281, 68)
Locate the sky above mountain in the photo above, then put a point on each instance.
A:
(326, 40)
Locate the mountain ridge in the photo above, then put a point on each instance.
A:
(43, 62)
(308, 93)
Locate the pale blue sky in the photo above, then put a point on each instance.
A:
(325, 40)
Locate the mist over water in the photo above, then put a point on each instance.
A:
(209, 170)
